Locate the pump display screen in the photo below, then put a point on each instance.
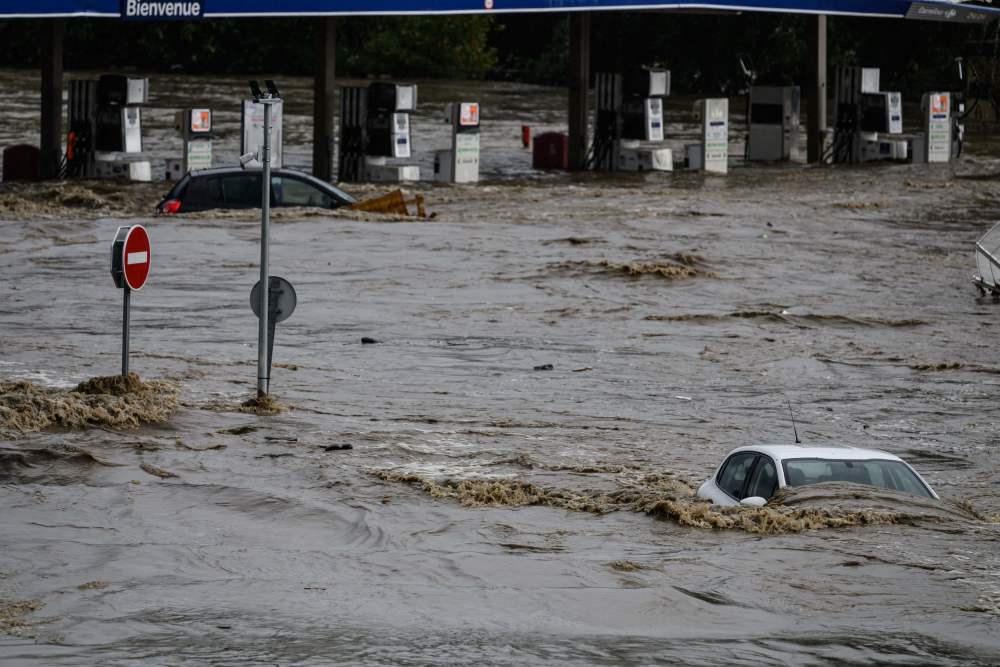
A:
(874, 115)
(201, 121)
(766, 114)
(468, 115)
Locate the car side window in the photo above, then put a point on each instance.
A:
(764, 481)
(734, 473)
(294, 192)
(203, 192)
(241, 190)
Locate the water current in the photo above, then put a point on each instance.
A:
(558, 362)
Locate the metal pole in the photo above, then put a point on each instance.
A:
(52, 100)
(324, 82)
(816, 43)
(263, 381)
(579, 85)
(125, 316)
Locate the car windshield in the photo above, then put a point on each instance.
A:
(893, 475)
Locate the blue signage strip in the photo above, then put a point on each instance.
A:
(191, 9)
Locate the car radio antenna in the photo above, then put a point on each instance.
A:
(792, 415)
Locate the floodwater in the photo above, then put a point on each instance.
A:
(559, 361)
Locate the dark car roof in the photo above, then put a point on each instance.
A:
(220, 171)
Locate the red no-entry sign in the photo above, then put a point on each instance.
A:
(130, 260)
(130, 257)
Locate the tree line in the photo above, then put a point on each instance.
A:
(701, 50)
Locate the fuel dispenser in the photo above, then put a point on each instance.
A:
(712, 154)
(105, 128)
(936, 111)
(642, 104)
(460, 164)
(773, 122)
(252, 129)
(353, 134)
(82, 124)
(630, 112)
(195, 128)
(375, 128)
(388, 127)
(869, 121)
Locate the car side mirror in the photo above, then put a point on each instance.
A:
(753, 501)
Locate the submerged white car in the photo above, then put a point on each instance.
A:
(752, 475)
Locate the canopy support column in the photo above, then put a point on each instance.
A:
(53, 31)
(324, 81)
(816, 110)
(579, 85)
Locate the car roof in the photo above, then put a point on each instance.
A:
(217, 171)
(783, 452)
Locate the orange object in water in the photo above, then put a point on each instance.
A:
(394, 203)
(526, 136)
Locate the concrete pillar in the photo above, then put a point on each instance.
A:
(53, 31)
(324, 80)
(816, 91)
(579, 84)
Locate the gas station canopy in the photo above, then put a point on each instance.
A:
(158, 10)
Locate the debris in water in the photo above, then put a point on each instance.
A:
(627, 566)
(93, 586)
(183, 445)
(157, 472)
(239, 430)
(12, 613)
(338, 448)
(662, 496)
(394, 203)
(114, 402)
(368, 341)
(682, 267)
(544, 367)
(262, 405)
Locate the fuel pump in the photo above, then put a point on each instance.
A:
(109, 142)
(936, 111)
(195, 128)
(869, 120)
(353, 134)
(712, 154)
(629, 112)
(460, 164)
(387, 125)
(82, 123)
(119, 113)
(642, 104)
(773, 122)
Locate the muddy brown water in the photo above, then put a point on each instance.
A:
(490, 512)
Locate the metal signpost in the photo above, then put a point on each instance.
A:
(130, 262)
(268, 99)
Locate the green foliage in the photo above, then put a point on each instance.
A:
(455, 47)
(701, 50)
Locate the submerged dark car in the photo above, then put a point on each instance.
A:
(233, 187)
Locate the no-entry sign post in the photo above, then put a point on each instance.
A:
(130, 261)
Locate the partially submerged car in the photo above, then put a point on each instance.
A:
(235, 187)
(752, 475)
